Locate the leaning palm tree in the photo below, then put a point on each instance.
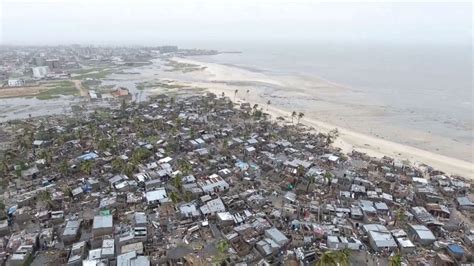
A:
(293, 115)
(300, 115)
(332, 136)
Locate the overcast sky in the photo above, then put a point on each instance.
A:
(187, 22)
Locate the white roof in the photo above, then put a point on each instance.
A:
(158, 194)
(103, 221)
(225, 216)
(213, 206)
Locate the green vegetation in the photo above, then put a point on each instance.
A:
(165, 85)
(85, 70)
(183, 67)
(96, 74)
(334, 258)
(57, 89)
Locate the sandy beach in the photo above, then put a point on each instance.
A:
(289, 94)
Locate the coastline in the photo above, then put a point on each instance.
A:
(216, 78)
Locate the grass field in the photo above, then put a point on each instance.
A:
(55, 90)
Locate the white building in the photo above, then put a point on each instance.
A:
(16, 82)
(158, 195)
(213, 184)
(40, 72)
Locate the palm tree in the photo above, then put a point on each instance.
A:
(64, 167)
(118, 165)
(396, 260)
(86, 167)
(186, 167)
(329, 258)
(268, 104)
(332, 136)
(174, 197)
(293, 115)
(400, 216)
(247, 94)
(300, 115)
(343, 257)
(328, 178)
(188, 196)
(235, 94)
(222, 247)
(311, 180)
(178, 182)
(2, 206)
(128, 169)
(47, 156)
(4, 167)
(300, 171)
(45, 197)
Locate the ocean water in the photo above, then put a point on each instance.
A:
(424, 87)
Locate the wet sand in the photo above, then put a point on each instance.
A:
(326, 106)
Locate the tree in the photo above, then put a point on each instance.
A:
(86, 167)
(300, 115)
(395, 260)
(2, 206)
(247, 94)
(45, 197)
(235, 93)
(185, 167)
(343, 256)
(328, 178)
(311, 180)
(4, 167)
(139, 155)
(47, 156)
(174, 197)
(293, 115)
(188, 196)
(222, 247)
(400, 216)
(268, 104)
(332, 136)
(178, 182)
(64, 167)
(300, 171)
(128, 169)
(118, 165)
(329, 258)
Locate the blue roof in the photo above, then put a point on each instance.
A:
(12, 209)
(88, 156)
(456, 249)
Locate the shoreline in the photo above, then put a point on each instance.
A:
(349, 139)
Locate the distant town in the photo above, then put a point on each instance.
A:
(50, 72)
(195, 178)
